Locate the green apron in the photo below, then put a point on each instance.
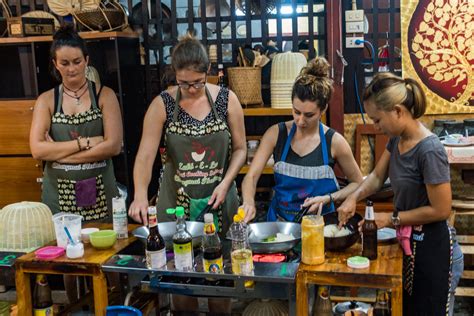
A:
(197, 158)
(60, 180)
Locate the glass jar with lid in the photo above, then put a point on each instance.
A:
(439, 126)
(450, 128)
(469, 127)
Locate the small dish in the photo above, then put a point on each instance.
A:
(103, 239)
(386, 234)
(85, 233)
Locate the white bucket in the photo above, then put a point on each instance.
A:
(72, 222)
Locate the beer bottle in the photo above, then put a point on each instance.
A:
(42, 302)
(182, 244)
(381, 307)
(211, 247)
(155, 250)
(369, 233)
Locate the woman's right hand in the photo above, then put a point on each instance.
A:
(346, 210)
(139, 210)
(250, 211)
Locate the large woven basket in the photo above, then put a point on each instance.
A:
(25, 226)
(107, 17)
(285, 68)
(246, 82)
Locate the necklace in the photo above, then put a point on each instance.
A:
(75, 91)
(75, 96)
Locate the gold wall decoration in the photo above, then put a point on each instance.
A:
(438, 51)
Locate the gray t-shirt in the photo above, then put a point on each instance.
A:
(426, 163)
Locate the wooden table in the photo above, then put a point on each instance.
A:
(383, 273)
(89, 265)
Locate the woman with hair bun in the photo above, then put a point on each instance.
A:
(417, 165)
(76, 130)
(305, 152)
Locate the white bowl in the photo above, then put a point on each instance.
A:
(85, 232)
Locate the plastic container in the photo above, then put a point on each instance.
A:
(72, 222)
(252, 146)
(75, 251)
(121, 310)
(312, 233)
(85, 233)
(49, 252)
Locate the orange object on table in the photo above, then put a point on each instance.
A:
(312, 238)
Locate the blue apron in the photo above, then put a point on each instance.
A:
(293, 183)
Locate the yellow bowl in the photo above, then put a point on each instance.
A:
(103, 239)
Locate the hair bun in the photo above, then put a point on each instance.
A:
(317, 67)
(66, 31)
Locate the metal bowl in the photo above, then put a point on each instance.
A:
(344, 242)
(167, 230)
(260, 231)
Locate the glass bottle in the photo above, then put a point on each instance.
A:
(322, 305)
(212, 260)
(119, 215)
(182, 244)
(221, 76)
(155, 249)
(241, 254)
(381, 307)
(369, 233)
(42, 301)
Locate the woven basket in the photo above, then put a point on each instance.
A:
(246, 82)
(25, 226)
(107, 17)
(285, 68)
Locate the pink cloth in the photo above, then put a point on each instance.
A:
(403, 236)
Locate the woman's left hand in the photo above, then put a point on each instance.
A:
(383, 219)
(314, 202)
(218, 195)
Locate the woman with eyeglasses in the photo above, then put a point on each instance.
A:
(204, 137)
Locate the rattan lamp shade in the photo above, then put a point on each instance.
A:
(285, 68)
(66, 7)
(25, 226)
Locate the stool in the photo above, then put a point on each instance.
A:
(121, 310)
(465, 208)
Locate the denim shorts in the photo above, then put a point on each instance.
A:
(457, 269)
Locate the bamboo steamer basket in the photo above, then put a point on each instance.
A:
(285, 68)
(25, 226)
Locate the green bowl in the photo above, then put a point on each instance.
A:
(103, 239)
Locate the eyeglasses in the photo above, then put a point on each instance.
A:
(195, 85)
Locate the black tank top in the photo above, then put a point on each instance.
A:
(313, 159)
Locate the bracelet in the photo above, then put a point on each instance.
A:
(88, 144)
(331, 200)
(79, 143)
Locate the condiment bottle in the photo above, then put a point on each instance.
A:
(119, 216)
(381, 307)
(212, 261)
(42, 301)
(182, 244)
(241, 255)
(155, 250)
(322, 305)
(369, 233)
(312, 238)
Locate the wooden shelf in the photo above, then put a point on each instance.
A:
(84, 35)
(266, 170)
(267, 112)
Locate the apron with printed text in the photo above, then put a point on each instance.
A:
(65, 184)
(294, 183)
(197, 158)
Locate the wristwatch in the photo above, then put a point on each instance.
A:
(395, 218)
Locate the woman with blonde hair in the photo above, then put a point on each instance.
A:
(305, 152)
(417, 165)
